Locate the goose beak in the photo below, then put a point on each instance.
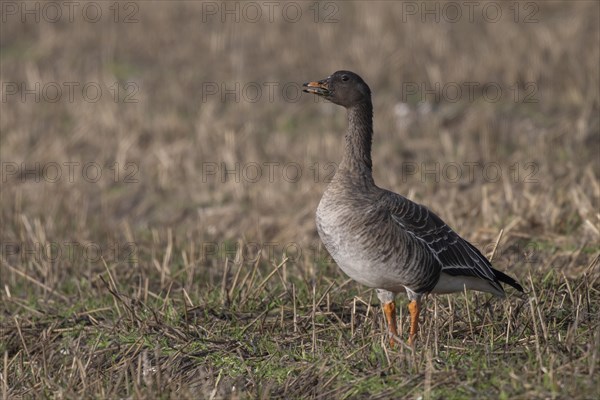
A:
(320, 88)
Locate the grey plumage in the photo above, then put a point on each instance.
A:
(382, 239)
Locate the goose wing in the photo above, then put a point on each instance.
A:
(457, 256)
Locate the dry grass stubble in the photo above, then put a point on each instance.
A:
(215, 285)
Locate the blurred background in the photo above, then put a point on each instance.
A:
(184, 123)
(152, 153)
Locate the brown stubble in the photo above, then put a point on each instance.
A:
(178, 318)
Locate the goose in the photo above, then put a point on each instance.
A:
(381, 239)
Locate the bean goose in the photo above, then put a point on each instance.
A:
(382, 239)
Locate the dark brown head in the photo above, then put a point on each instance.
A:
(344, 88)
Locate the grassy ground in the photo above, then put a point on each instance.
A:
(158, 234)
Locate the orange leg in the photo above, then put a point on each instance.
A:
(389, 309)
(414, 309)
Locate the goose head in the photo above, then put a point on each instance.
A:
(344, 88)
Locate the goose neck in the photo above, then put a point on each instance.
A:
(357, 151)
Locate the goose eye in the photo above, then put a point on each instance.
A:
(345, 78)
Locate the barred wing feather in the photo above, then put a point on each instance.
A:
(456, 255)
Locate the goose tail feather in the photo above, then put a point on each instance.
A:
(502, 277)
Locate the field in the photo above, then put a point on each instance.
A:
(161, 170)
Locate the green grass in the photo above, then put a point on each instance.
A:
(177, 318)
(269, 343)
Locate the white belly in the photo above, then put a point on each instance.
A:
(349, 254)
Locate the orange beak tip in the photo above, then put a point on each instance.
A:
(318, 88)
(312, 84)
